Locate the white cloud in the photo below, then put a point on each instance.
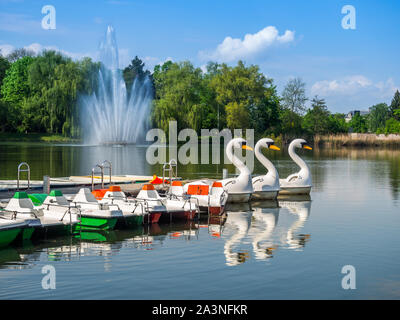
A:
(233, 48)
(6, 49)
(355, 91)
(354, 85)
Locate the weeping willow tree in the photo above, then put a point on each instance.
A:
(43, 92)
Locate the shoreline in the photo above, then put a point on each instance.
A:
(339, 140)
(36, 137)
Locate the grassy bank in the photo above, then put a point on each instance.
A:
(35, 137)
(358, 140)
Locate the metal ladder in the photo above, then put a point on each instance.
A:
(28, 169)
(106, 164)
(102, 175)
(169, 167)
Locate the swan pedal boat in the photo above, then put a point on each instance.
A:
(266, 187)
(298, 183)
(240, 188)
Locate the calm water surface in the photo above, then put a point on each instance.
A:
(290, 249)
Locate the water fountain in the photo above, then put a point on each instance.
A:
(109, 115)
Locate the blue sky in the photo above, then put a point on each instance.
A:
(351, 69)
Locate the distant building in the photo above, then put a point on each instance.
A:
(351, 114)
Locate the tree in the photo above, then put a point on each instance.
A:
(395, 106)
(19, 53)
(4, 66)
(377, 117)
(337, 123)
(316, 121)
(247, 91)
(134, 71)
(179, 88)
(358, 124)
(15, 84)
(293, 96)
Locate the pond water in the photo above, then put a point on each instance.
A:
(289, 249)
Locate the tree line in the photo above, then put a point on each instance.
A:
(39, 94)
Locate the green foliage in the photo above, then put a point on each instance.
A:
(133, 71)
(358, 124)
(4, 65)
(15, 85)
(337, 123)
(248, 92)
(377, 117)
(394, 108)
(317, 119)
(392, 126)
(39, 94)
(179, 88)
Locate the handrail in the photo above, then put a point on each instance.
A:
(28, 169)
(169, 167)
(109, 167)
(102, 175)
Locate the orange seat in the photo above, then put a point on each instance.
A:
(200, 190)
(99, 193)
(176, 184)
(148, 187)
(114, 188)
(217, 184)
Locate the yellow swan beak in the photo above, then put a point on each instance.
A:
(307, 147)
(274, 147)
(247, 148)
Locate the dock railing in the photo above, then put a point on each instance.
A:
(169, 167)
(102, 175)
(27, 169)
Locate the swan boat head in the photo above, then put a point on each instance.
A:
(300, 182)
(240, 188)
(266, 186)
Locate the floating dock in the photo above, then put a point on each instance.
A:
(130, 184)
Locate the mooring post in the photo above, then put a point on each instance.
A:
(224, 173)
(46, 184)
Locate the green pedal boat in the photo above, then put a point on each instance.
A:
(10, 229)
(40, 219)
(95, 215)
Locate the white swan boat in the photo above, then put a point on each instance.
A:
(240, 188)
(300, 182)
(266, 187)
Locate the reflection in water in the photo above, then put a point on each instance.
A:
(232, 228)
(301, 209)
(239, 219)
(266, 215)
